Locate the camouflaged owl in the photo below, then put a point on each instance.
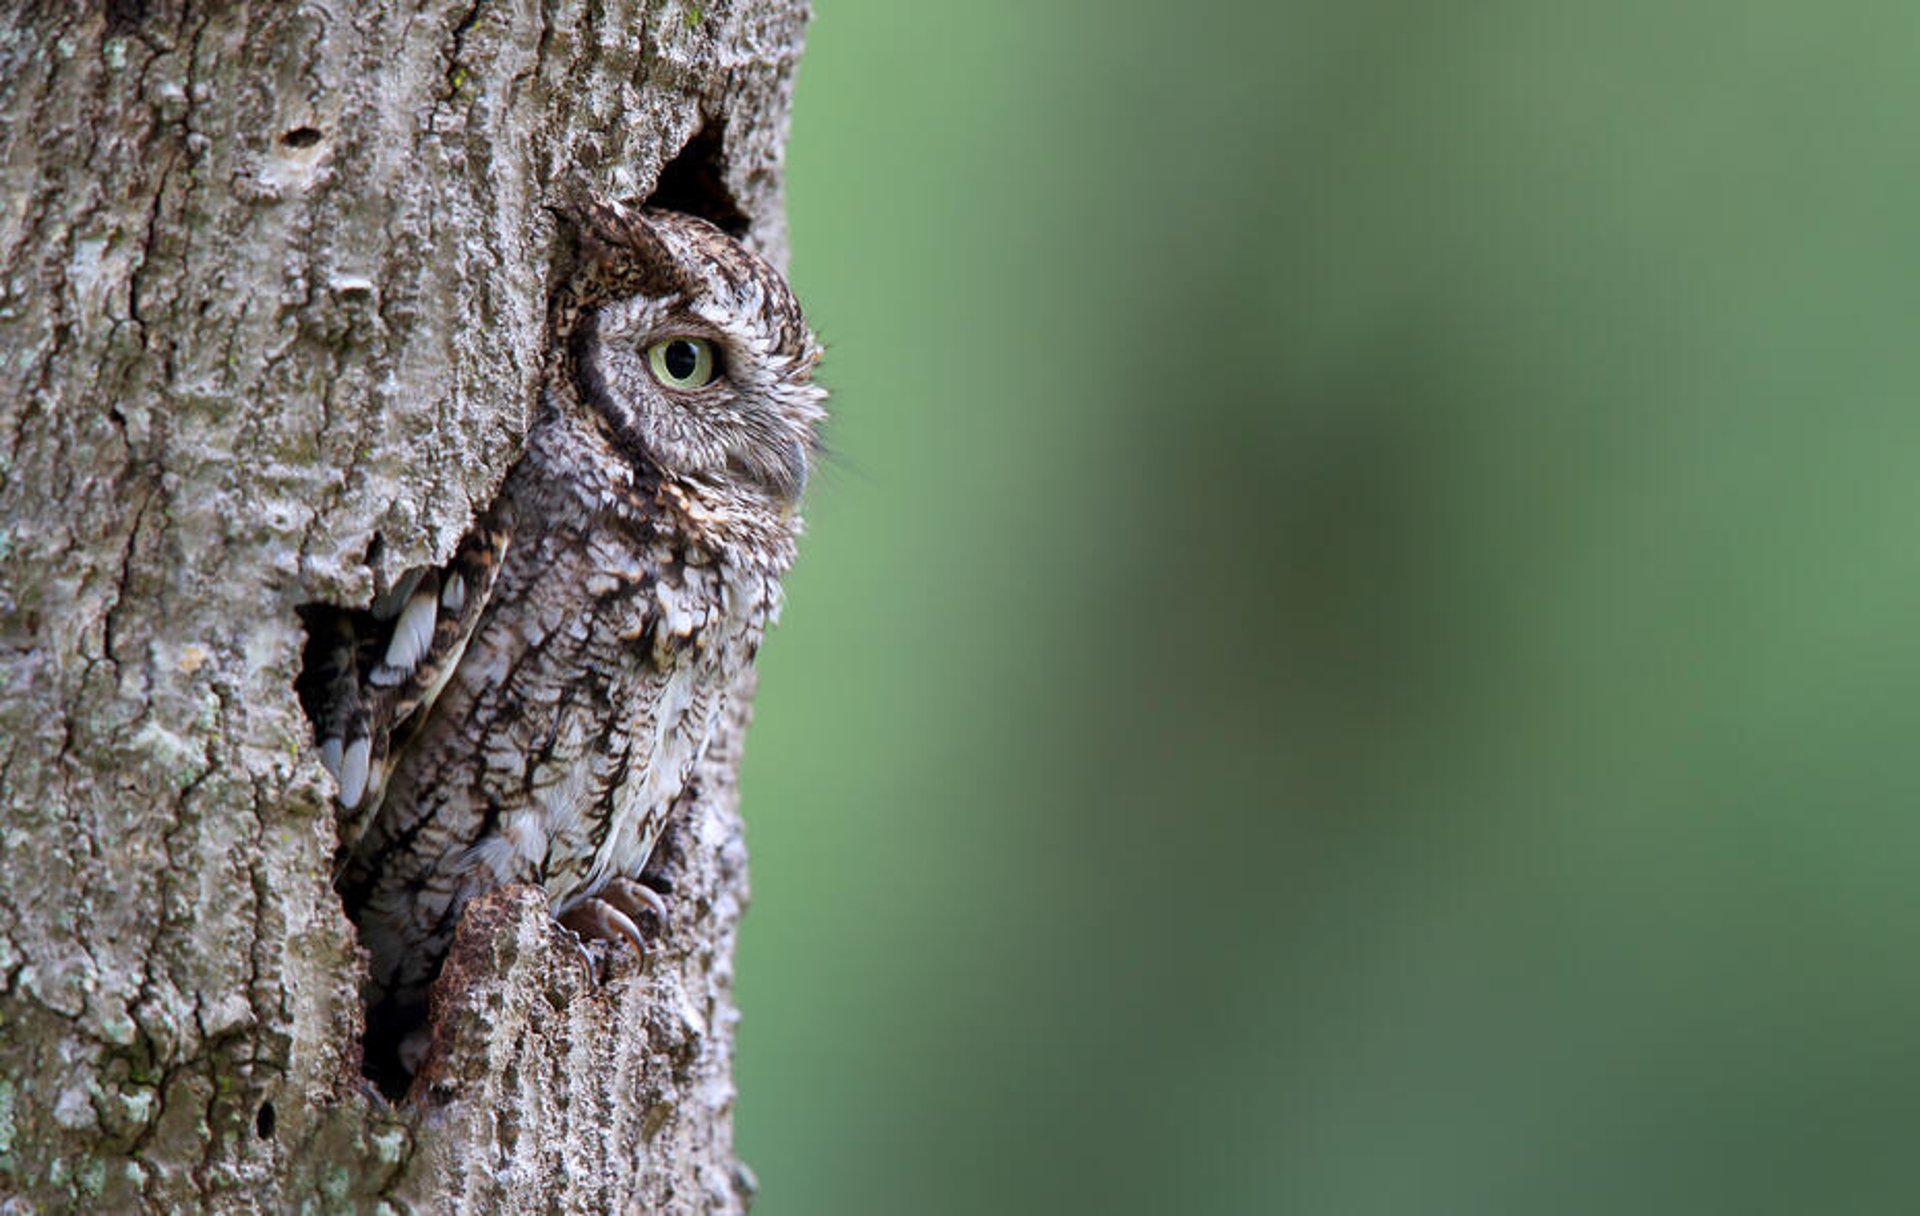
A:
(530, 712)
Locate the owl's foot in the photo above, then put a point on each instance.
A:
(614, 914)
(635, 898)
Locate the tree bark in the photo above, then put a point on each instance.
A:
(273, 283)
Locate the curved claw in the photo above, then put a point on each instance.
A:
(599, 919)
(589, 975)
(633, 897)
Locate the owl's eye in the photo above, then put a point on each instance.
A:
(683, 362)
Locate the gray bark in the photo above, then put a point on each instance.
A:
(273, 281)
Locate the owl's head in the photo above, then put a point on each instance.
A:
(693, 354)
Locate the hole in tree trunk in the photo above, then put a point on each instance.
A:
(125, 16)
(694, 183)
(343, 644)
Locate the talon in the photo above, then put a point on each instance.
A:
(581, 956)
(634, 897)
(599, 919)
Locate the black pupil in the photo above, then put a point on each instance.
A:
(681, 358)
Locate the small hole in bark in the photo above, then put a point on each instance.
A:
(692, 183)
(301, 137)
(124, 15)
(264, 1121)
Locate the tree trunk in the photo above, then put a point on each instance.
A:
(273, 281)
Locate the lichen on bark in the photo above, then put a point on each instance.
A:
(272, 287)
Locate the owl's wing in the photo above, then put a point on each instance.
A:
(371, 674)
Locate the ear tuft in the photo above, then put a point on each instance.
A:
(620, 254)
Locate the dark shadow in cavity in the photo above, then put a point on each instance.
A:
(331, 630)
(694, 183)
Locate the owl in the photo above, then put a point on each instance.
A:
(532, 711)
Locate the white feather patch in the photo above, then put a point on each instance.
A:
(453, 596)
(330, 748)
(388, 606)
(515, 851)
(353, 771)
(412, 633)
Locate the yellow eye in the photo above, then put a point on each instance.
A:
(682, 362)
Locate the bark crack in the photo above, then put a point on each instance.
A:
(123, 578)
(455, 76)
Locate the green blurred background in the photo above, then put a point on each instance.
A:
(1361, 650)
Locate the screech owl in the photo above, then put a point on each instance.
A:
(530, 712)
